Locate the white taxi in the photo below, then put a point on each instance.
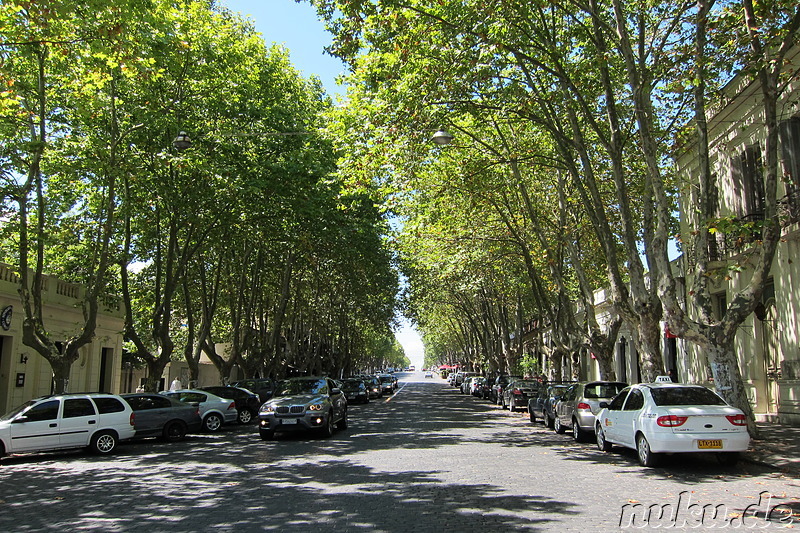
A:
(657, 418)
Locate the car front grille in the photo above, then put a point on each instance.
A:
(290, 410)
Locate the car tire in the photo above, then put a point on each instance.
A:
(557, 427)
(646, 456)
(546, 420)
(103, 442)
(342, 424)
(578, 433)
(512, 407)
(212, 422)
(266, 434)
(728, 458)
(327, 429)
(174, 431)
(245, 416)
(531, 416)
(600, 436)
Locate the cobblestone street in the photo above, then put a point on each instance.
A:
(425, 460)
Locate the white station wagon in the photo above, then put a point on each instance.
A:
(94, 420)
(657, 418)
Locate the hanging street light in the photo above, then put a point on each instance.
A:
(442, 137)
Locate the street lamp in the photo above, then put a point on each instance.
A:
(182, 141)
(442, 137)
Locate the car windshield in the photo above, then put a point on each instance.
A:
(11, 414)
(527, 384)
(301, 386)
(685, 396)
(351, 385)
(602, 390)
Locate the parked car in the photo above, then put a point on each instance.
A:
(428, 374)
(247, 402)
(160, 416)
(466, 385)
(461, 376)
(261, 386)
(515, 395)
(657, 418)
(355, 390)
(96, 421)
(499, 384)
(306, 403)
(214, 411)
(580, 403)
(477, 387)
(541, 406)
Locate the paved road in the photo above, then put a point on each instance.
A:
(426, 460)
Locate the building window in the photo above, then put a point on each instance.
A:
(790, 154)
(748, 181)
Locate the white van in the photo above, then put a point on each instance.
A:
(94, 420)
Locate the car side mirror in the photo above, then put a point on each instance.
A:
(336, 390)
(603, 405)
(20, 420)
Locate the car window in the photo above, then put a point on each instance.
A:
(108, 405)
(43, 411)
(602, 390)
(302, 386)
(616, 403)
(635, 400)
(685, 396)
(569, 394)
(74, 407)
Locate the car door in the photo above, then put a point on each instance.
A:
(611, 420)
(338, 399)
(628, 417)
(563, 407)
(36, 428)
(78, 422)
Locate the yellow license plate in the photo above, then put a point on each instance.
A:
(709, 444)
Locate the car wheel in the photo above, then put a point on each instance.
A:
(245, 416)
(558, 427)
(342, 424)
(577, 432)
(531, 416)
(602, 444)
(327, 429)
(174, 431)
(728, 458)
(512, 407)
(212, 422)
(266, 434)
(546, 420)
(103, 442)
(646, 456)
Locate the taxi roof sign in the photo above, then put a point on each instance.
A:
(663, 379)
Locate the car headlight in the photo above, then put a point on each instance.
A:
(266, 409)
(315, 407)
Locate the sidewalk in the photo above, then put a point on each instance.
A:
(778, 447)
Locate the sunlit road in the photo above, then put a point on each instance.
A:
(425, 460)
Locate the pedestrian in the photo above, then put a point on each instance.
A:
(140, 388)
(176, 384)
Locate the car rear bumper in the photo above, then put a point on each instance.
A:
(688, 442)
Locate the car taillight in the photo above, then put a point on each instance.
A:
(516, 391)
(583, 405)
(232, 406)
(133, 418)
(671, 421)
(737, 420)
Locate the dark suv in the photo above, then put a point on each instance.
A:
(261, 386)
(307, 403)
(500, 383)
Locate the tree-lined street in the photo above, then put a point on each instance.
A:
(427, 459)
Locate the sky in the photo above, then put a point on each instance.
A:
(296, 26)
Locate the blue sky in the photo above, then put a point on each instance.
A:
(296, 26)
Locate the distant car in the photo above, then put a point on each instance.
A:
(657, 418)
(214, 411)
(355, 390)
(541, 406)
(428, 374)
(387, 383)
(497, 387)
(160, 416)
(373, 387)
(261, 386)
(515, 395)
(96, 421)
(306, 403)
(247, 402)
(580, 403)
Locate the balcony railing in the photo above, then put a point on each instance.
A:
(737, 235)
(789, 207)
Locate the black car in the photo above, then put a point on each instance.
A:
(159, 416)
(541, 406)
(499, 385)
(247, 402)
(355, 390)
(264, 387)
